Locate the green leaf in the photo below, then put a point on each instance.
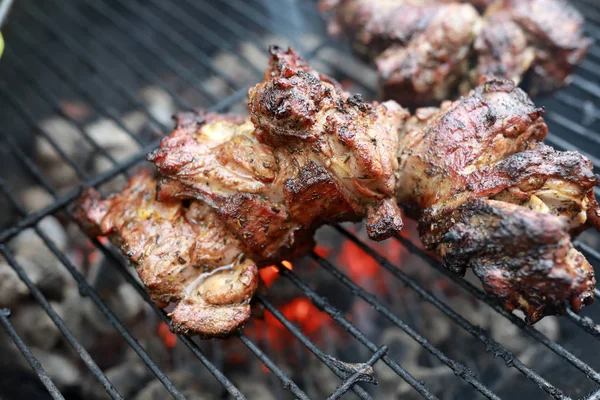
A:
(1, 44)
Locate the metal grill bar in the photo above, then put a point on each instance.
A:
(54, 102)
(86, 290)
(337, 315)
(576, 103)
(74, 47)
(180, 41)
(342, 389)
(585, 323)
(458, 368)
(60, 324)
(128, 58)
(35, 364)
(177, 13)
(63, 201)
(34, 171)
(46, 59)
(287, 382)
(490, 344)
(360, 392)
(117, 20)
(480, 295)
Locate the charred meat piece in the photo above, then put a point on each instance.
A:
(427, 51)
(183, 253)
(490, 197)
(554, 30)
(502, 49)
(434, 62)
(310, 154)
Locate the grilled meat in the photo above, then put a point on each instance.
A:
(489, 196)
(182, 252)
(238, 193)
(427, 51)
(554, 31)
(434, 61)
(310, 154)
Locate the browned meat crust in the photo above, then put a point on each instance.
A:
(427, 51)
(182, 253)
(235, 193)
(524, 258)
(490, 197)
(310, 155)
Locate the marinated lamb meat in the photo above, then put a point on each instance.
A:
(182, 252)
(234, 194)
(490, 197)
(428, 51)
(309, 154)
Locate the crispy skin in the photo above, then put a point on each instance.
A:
(182, 253)
(490, 197)
(309, 155)
(427, 51)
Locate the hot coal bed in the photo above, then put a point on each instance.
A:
(88, 88)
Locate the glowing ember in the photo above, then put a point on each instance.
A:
(322, 251)
(302, 313)
(360, 265)
(365, 270)
(168, 337)
(269, 275)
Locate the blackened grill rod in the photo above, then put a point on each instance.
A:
(179, 41)
(178, 14)
(288, 383)
(338, 316)
(345, 386)
(360, 392)
(60, 324)
(24, 349)
(458, 368)
(86, 290)
(61, 70)
(491, 345)
(126, 57)
(101, 69)
(587, 324)
(54, 102)
(36, 173)
(63, 201)
(480, 295)
(120, 22)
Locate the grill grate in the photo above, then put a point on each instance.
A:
(106, 44)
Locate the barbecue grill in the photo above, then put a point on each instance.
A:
(62, 55)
